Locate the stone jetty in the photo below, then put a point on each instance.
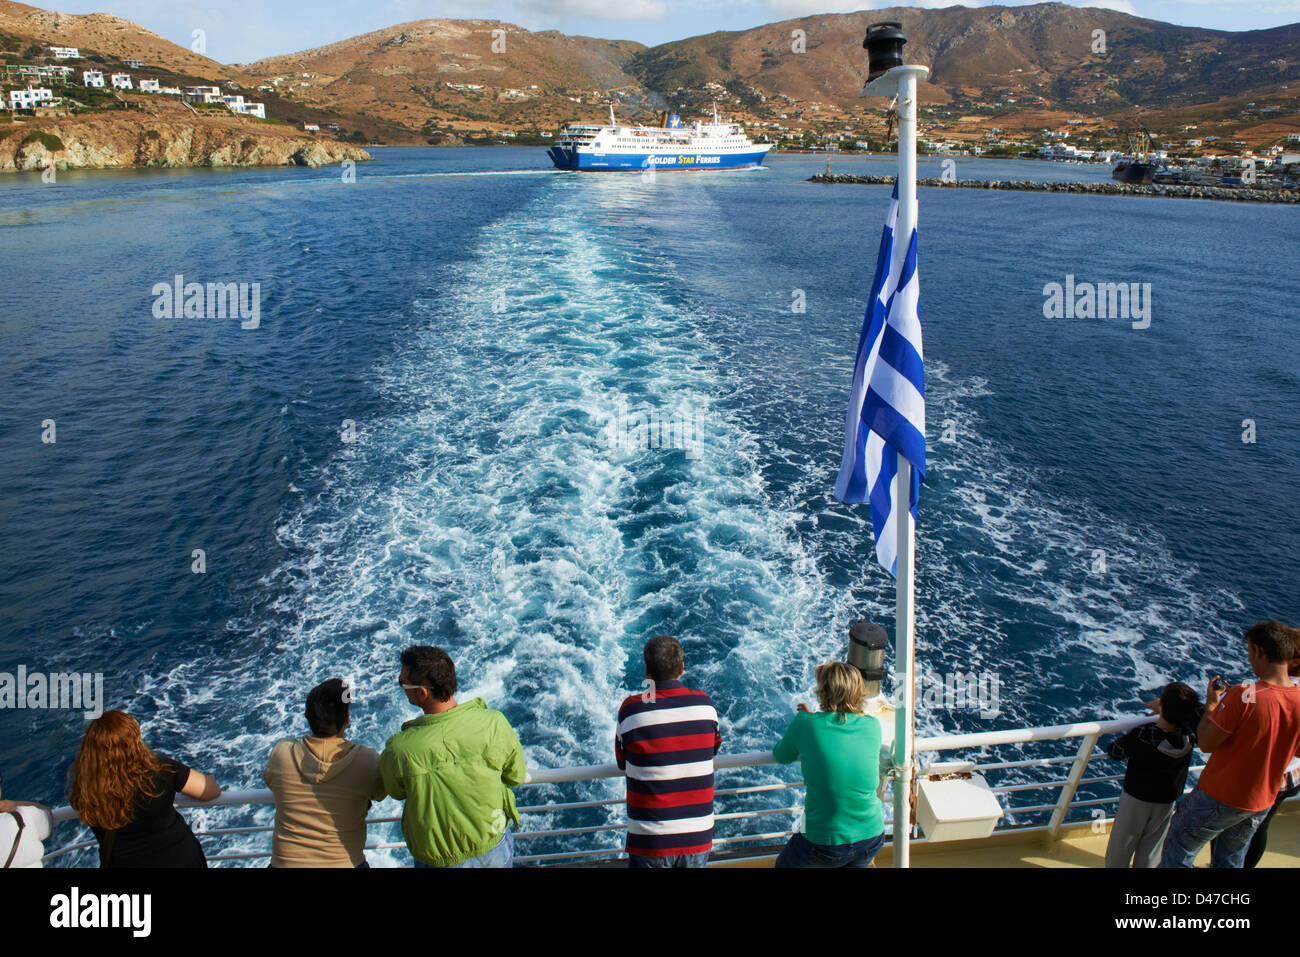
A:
(1239, 194)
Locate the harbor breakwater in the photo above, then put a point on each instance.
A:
(1239, 194)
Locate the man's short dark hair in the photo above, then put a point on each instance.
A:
(663, 658)
(431, 667)
(1276, 640)
(327, 712)
(1178, 704)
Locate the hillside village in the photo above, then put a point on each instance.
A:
(430, 82)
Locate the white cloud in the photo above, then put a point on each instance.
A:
(1123, 6)
(807, 8)
(625, 10)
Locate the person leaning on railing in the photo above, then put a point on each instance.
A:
(1158, 757)
(23, 826)
(323, 785)
(454, 767)
(665, 743)
(125, 792)
(838, 749)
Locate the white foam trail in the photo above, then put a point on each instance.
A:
(489, 515)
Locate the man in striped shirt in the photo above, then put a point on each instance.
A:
(665, 743)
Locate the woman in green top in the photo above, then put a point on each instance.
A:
(838, 749)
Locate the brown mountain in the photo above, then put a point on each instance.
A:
(457, 73)
(1013, 67)
(1042, 53)
(1042, 63)
(107, 35)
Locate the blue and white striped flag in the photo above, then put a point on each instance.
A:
(886, 416)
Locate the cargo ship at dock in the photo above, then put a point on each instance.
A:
(668, 146)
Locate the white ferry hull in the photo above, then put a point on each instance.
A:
(593, 161)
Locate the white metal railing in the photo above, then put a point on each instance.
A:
(1088, 733)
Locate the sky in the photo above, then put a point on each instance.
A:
(240, 31)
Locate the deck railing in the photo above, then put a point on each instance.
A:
(1087, 733)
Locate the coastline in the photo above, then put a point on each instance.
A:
(1241, 195)
(161, 139)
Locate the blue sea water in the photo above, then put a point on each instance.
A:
(1092, 526)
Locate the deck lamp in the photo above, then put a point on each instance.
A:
(884, 46)
(867, 653)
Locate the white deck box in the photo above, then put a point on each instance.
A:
(957, 809)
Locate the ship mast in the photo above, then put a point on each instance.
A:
(891, 77)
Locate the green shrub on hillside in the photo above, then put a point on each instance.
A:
(48, 140)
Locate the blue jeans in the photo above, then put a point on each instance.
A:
(1200, 818)
(503, 855)
(801, 852)
(672, 860)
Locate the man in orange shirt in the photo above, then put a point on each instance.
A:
(1251, 732)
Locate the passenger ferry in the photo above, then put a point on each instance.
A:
(670, 145)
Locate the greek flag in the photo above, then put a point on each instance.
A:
(886, 416)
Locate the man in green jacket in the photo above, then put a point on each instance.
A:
(454, 767)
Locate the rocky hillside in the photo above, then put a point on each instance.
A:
(1047, 57)
(1019, 69)
(449, 74)
(1046, 54)
(168, 137)
(108, 35)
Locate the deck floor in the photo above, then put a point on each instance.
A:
(1078, 847)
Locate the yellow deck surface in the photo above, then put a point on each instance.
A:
(1077, 847)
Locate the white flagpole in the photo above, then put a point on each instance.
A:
(904, 80)
(905, 613)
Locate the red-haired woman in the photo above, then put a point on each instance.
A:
(124, 792)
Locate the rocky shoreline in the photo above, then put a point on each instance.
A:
(134, 140)
(1240, 195)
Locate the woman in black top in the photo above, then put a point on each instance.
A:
(125, 793)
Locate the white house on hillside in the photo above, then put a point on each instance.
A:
(122, 81)
(92, 78)
(64, 53)
(203, 94)
(30, 98)
(150, 86)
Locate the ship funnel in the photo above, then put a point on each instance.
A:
(867, 653)
(884, 46)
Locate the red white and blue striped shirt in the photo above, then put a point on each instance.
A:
(666, 747)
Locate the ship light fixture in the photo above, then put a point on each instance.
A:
(884, 46)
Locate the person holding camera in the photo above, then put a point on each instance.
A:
(1251, 733)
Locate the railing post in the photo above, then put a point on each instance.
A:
(1077, 770)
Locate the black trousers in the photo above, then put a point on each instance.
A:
(1257, 843)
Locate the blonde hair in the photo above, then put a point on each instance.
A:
(840, 688)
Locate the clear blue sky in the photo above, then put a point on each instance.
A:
(239, 31)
